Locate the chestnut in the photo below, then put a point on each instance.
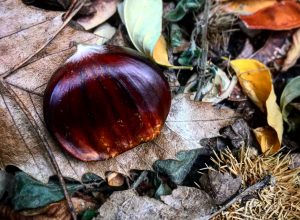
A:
(104, 101)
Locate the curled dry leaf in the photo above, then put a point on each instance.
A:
(104, 10)
(105, 32)
(221, 87)
(275, 48)
(293, 53)
(256, 81)
(220, 186)
(284, 15)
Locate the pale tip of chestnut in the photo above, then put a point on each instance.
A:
(84, 51)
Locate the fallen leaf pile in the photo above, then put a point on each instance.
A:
(238, 58)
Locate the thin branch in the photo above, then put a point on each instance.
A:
(204, 45)
(266, 181)
(140, 179)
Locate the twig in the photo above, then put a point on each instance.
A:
(204, 45)
(267, 180)
(45, 143)
(75, 7)
(140, 179)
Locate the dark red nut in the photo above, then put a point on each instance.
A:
(104, 101)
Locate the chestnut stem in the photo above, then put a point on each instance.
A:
(71, 13)
(204, 46)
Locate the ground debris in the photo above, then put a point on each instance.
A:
(184, 203)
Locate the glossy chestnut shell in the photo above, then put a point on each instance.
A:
(105, 100)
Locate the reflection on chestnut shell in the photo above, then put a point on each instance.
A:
(105, 100)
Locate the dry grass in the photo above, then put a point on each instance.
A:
(281, 201)
(220, 25)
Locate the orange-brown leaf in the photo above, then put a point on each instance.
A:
(280, 16)
(54, 211)
(246, 6)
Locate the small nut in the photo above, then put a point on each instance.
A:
(115, 179)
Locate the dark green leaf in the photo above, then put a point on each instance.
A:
(177, 170)
(90, 178)
(290, 92)
(188, 57)
(182, 8)
(6, 182)
(88, 214)
(162, 190)
(176, 36)
(30, 193)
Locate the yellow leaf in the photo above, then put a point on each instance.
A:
(265, 137)
(160, 55)
(256, 81)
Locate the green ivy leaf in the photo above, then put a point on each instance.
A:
(176, 36)
(162, 190)
(188, 57)
(182, 8)
(29, 193)
(178, 169)
(88, 214)
(290, 92)
(90, 178)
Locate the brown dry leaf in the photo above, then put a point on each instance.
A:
(256, 81)
(283, 15)
(293, 53)
(275, 48)
(183, 203)
(14, 10)
(104, 10)
(18, 41)
(188, 122)
(54, 211)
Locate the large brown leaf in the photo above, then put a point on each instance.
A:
(20, 145)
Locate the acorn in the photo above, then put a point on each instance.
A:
(105, 100)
